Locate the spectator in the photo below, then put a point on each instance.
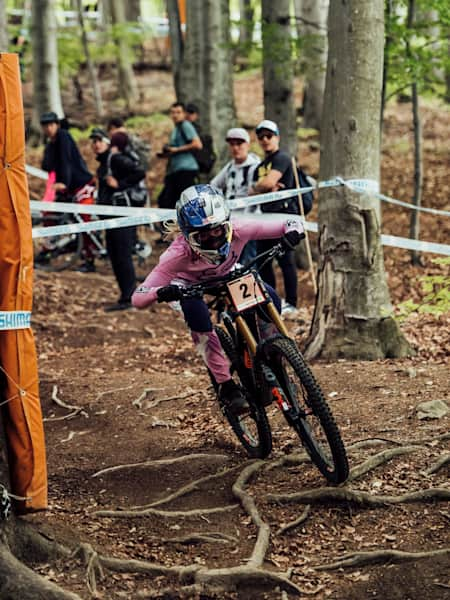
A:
(73, 182)
(192, 115)
(182, 168)
(237, 175)
(272, 174)
(137, 147)
(115, 174)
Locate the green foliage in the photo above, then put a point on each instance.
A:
(141, 122)
(417, 53)
(70, 53)
(436, 300)
(78, 134)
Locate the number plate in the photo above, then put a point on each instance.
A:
(245, 292)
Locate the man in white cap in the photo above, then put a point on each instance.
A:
(237, 175)
(275, 173)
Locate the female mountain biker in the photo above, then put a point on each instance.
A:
(208, 246)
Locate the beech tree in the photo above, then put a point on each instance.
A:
(46, 88)
(3, 27)
(128, 90)
(314, 50)
(206, 68)
(278, 71)
(353, 314)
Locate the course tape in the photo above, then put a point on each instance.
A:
(15, 319)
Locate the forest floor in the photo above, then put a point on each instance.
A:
(147, 435)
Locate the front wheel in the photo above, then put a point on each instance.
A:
(252, 428)
(307, 411)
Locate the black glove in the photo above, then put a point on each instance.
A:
(291, 239)
(169, 293)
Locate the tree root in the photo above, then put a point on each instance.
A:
(363, 498)
(125, 514)
(169, 398)
(161, 462)
(262, 541)
(212, 537)
(75, 410)
(93, 566)
(301, 519)
(358, 559)
(378, 459)
(187, 489)
(441, 462)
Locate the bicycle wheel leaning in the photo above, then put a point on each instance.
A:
(252, 428)
(309, 413)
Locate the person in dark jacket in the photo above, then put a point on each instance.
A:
(116, 173)
(73, 182)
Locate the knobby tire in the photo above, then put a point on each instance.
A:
(259, 445)
(309, 410)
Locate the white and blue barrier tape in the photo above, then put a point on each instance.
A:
(14, 319)
(130, 216)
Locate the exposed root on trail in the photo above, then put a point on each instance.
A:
(301, 519)
(441, 462)
(188, 488)
(359, 559)
(75, 410)
(210, 537)
(125, 514)
(326, 494)
(378, 459)
(107, 392)
(162, 462)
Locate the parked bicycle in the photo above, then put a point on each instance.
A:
(269, 370)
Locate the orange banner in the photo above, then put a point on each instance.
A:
(19, 391)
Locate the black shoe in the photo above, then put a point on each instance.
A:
(86, 267)
(121, 305)
(231, 396)
(43, 258)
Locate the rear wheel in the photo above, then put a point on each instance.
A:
(252, 428)
(308, 412)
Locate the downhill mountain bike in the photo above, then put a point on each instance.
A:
(270, 370)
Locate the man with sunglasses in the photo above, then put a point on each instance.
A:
(272, 174)
(236, 176)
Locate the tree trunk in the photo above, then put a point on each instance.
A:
(206, 74)
(46, 90)
(176, 42)
(246, 26)
(314, 58)
(3, 27)
(353, 314)
(90, 65)
(128, 90)
(414, 225)
(133, 10)
(278, 71)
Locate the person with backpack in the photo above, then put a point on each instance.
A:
(236, 176)
(274, 173)
(116, 175)
(137, 147)
(182, 167)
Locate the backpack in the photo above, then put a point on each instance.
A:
(291, 205)
(206, 157)
(139, 150)
(136, 195)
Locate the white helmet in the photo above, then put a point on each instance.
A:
(204, 218)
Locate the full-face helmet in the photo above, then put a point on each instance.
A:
(204, 219)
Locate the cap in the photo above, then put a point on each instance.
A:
(99, 134)
(120, 140)
(49, 117)
(237, 133)
(269, 125)
(191, 108)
